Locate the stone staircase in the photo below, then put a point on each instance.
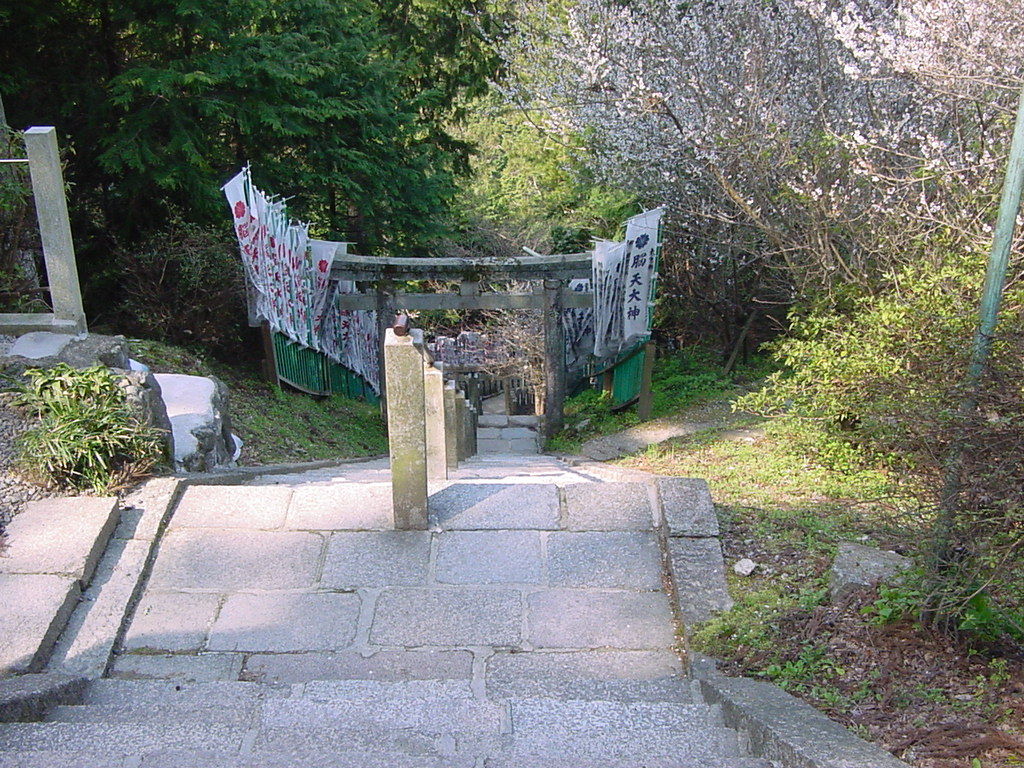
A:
(562, 723)
(285, 624)
(500, 433)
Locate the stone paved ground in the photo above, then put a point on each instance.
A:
(301, 572)
(284, 625)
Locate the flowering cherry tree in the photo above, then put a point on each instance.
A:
(830, 139)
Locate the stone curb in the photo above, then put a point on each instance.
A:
(27, 698)
(239, 475)
(780, 727)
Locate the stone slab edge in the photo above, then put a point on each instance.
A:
(782, 728)
(241, 475)
(118, 633)
(27, 698)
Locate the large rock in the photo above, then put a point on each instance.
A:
(42, 349)
(145, 398)
(197, 407)
(857, 566)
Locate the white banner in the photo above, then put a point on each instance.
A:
(642, 244)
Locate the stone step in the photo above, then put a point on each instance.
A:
(379, 691)
(428, 716)
(594, 675)
(207, 759)
(680, 761)
(703, 747)
(118, 739)
(183, 711)
(227, 693)
(573, 717)
(298, 759)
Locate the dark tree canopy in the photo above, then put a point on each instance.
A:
(342, 103)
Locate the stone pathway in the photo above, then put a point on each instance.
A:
(283, 624)
(714, 415)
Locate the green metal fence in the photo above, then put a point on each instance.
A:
(627, 377)
(315, 373)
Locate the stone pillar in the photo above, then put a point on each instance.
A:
(407, 434)
(437, 447)
(474, 418)
(554, 358)
(54, 224)
(462, 416)
(451, 427)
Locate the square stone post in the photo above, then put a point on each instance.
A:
(474, 418)
(554, 358)
(462, 416)
(437, 447)
(407, 434)
(451, 427)
(54, 224)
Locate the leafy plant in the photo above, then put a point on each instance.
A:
(893, 604)
(86, 438)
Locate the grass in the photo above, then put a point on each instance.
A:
(278, 425)
(786, 495)
(680, 381)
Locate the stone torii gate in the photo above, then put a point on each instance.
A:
(377, 278)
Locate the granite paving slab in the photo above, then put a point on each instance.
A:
(605, 674)
(198, 667)
(388, 664)
(608, 507)
(604, 559)
(60, 536)
(351, 507)
(233, 560)
(386, 558)
(172, 621)
(583, 618)
(489, 557)
(481, 506)
(232, 506)
(36, 607)
(687, 506)
(285, 621)
(699, 576)
(449, 617)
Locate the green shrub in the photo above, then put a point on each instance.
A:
(86, 438)
(887, 378)
(185, 286)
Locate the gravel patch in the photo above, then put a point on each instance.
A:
(14, 491)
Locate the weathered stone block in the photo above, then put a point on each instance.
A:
(232, 506)
(197, 407)
(186, 667)
(496, 505)
(699, 574)
(387, 665)
(687, 506)
(285, 621)
(171, 621)
(387, 558)
(608, 559)
(489, 557)
(580, 618)
(232, 561)
(608, 507)
(450, 617)
(60, 536)
(344, 507)
(857, 566)
(34, 609)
